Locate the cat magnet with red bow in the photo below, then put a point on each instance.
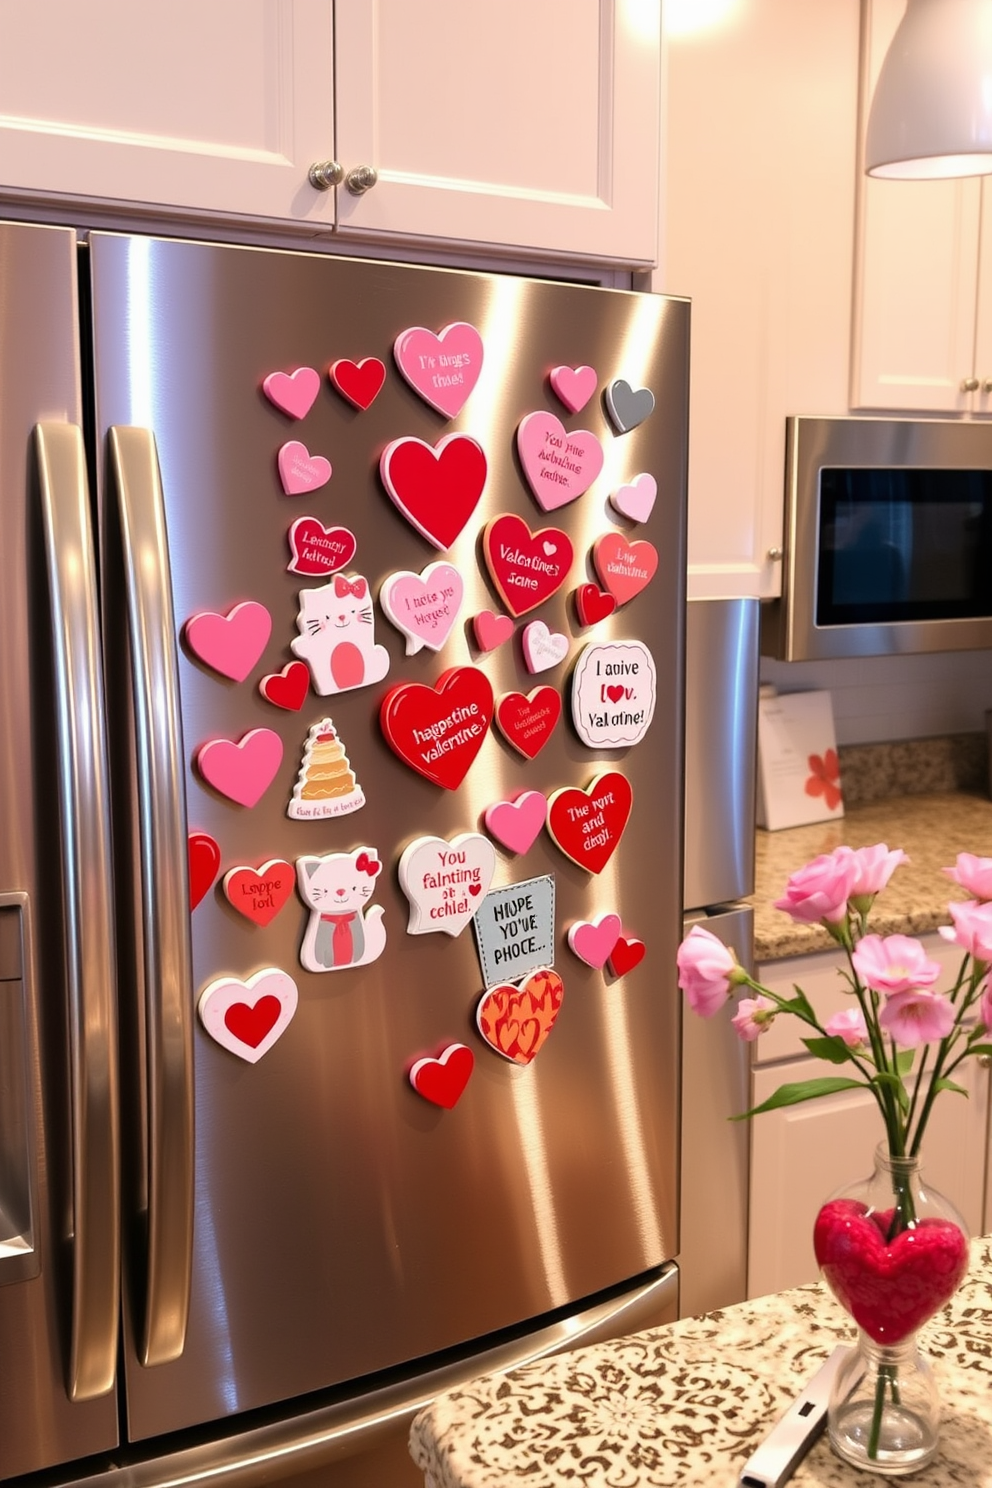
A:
(337, 635)
(336, 888)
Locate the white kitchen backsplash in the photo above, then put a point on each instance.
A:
(896, 697)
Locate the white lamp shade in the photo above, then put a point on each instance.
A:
(931, 115)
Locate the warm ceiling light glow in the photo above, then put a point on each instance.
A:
(689, 17)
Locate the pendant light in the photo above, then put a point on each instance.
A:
(931, 115)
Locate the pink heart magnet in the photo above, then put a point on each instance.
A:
(559, 464)
(491, 630)
(230, 644)
(517, 823)
(593, 940)
(301, 471)
(293, 392)
(636, 500)
(543, 648)
(574, 386)
(242, 771)
(424, 606)
(444, 368)
(247, 1018)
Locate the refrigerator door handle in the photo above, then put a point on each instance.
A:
(165, 976)
(91, 975)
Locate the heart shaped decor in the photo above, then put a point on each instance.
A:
(516, 823)
(318, 550)
(423, 606)
(436, 487)
(359, 382)
(242, 770)
(491, 630)
(574, 385)
(559, 464)
(288, 688)
(439, 730)
(543, 648)
(527, 722)
(446, 882)
(204, 860)
(626, 954)
(443, 1080)
(636, 500)
(890, 1289)
(593, 604)
(587, 825)
(628, 406)
(293, 392)
(301, 471)
(232, 643)
(444, 368)
(593, 940)
(247, 1018)
(260, 893)
(624, 568)
(516, 1021)
(526, 567)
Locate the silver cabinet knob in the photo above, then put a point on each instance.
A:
(969, 384)
(361, 179)
(326, 173)
(984, 1061)
(774, 555)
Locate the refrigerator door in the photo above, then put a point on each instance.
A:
(342, 1224)
(59, 1250)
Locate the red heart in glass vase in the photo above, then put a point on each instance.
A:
(889, 1288)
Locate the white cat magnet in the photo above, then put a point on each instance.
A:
(336, 887)
(337, 635)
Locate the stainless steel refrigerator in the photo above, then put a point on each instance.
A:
(211, 1267)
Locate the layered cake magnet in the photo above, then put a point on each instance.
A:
(326, 785)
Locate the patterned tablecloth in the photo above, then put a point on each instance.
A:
(686, 1405)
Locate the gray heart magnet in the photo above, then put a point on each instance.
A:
(627, 406)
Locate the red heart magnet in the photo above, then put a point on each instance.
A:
(318, 550)
(288, 688)
(439, 730)
(593, 604)
(436, 487)
(260, 893)
(626, 954)
(442, 1080)
(247, 1018)
(516, 1021)
(204, 860)
(527, 722)
(359, 382)
(587, 825)
(624, 568)
(526, 567)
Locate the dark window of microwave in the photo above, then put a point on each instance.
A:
(904, 545)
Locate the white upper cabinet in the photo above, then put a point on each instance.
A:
(508, 123)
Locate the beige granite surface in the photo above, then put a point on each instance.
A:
(931, 829)
(685, 1406)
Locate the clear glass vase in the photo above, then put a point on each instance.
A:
(893, 1251)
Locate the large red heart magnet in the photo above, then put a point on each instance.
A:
(527, 722)
(587, 825)
(437, 488)
(526, 567)
(516, 1021)
(439, 730)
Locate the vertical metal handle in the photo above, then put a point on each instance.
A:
(84, 807)
(165, 978)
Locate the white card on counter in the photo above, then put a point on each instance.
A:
(515, 930)
(798, 769)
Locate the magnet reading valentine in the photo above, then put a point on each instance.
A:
(613, 694)
(337, 635)
(526, 567)
(326, 785)
(336, 888)
(439, 730)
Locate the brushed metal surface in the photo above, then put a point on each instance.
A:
(40, 380)
(162, 978)
(342, 1224)
(721, 734)
(812, 443)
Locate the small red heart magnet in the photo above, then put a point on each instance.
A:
(593, 604)
(288, 688)
(516, 1021)
(527, 722)
(626, 954)
(587, 825)
(260, 893)
(442, 1081)
(359, 382)
(439, 730)
(526, 567)
(204, 860)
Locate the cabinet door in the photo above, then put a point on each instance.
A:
(505, 123)
(801, 1154)
(916, 273)
(217, 107)
(983, 322)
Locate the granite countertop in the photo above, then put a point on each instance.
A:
(931, 829)
(686, 1405)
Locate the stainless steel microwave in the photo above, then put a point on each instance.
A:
(888, 539)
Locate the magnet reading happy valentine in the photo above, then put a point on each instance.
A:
(439, 730)
(444, 368)
(325, 785)
(587, 825)
(336, 887)
(446, 882)
(423, 606)
(559, 464)
(613, 693)
(526, 567)
(337, 635)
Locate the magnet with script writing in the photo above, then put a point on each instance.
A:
(587, 825)
(442, 368)
(436, 487)
(242, 769)
(627, 406)
(446, 882)
(439, 730)
(359, 382)
(337, 635)
(527, 721)
(526, 567)
(424, 606)
(515, 929)
(293, 393)
(318, 551)
(559, 464)
(624, 568)
(613, 693)
(574, 385)
(230, 644)
(593, 940)
(491, 630)
(301, 471)
(515, 824)
(247, 1018)
(259, 893)
(515, 1020)
(543, 648)
(341, 933)
(442, 1081)
(326, 785)
(636, 499)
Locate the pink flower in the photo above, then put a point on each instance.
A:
(917, 1017)
(895, 963)
(973, 874)
(876, 866)
(972, 928)
(706, 970)
(849, 1026)
(985, 1008)
(820, 891)
(753, 1017)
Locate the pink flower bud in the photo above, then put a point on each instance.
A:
(820, 891)
(849, 1026)
(753, 1017)
(973, 874)
(876, 866)
(706, 967)
(972, 928)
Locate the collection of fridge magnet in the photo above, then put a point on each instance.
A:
(528, 721)
(613, 693)
(515, 929)
(336, 887)
(543, 648)
(337, 635)
(326, 785)
(560, 465)
(442, 1080)
(593, 604)
(587, 825)
(230, 644)
(203, 855)
(574, 386)
(491, 630)
(286, 689)
(247, 1018)
(624, 568)
(526, 567)
(515, 1020)
(244, 769)
(424, 606)
(359, 382)
(627, 406)
(293, 393)
(318, 551)
(446, 882)
(439, 730)
(517, 824)
(637, 498)
(301, 471)
(442, 369)
(436, 487)
(259, 893)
